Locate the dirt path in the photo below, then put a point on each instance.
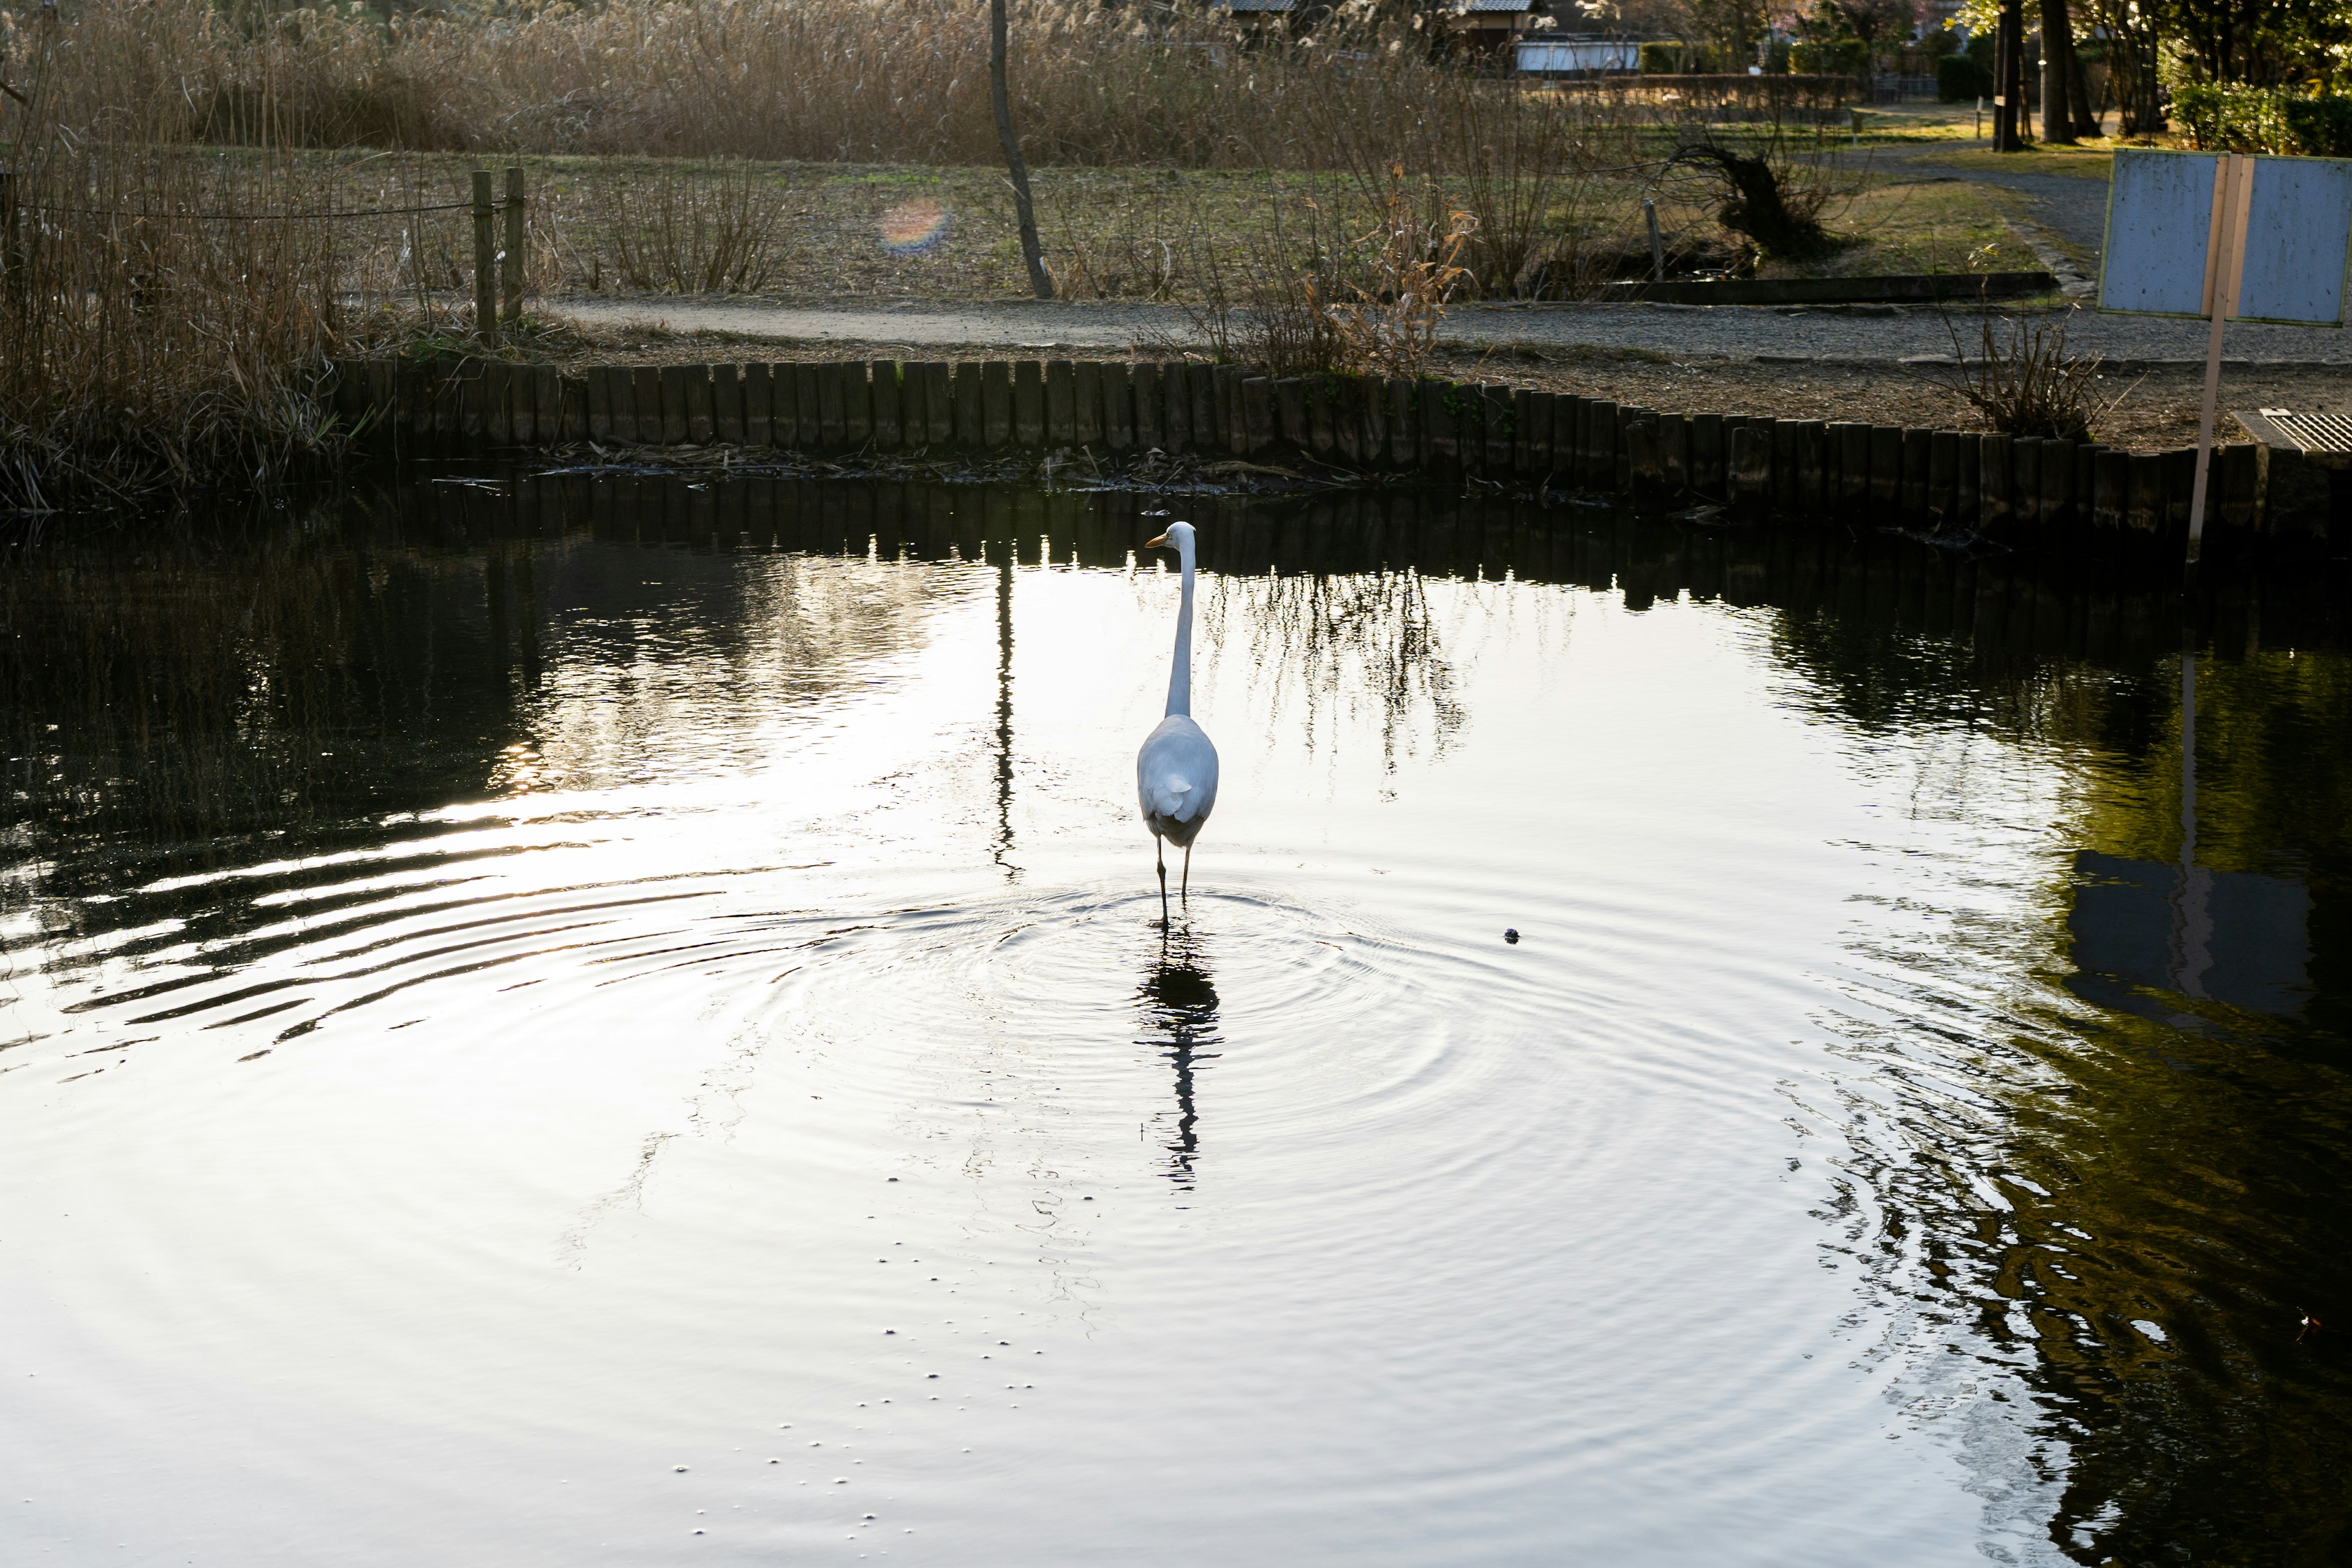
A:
(1765, 335)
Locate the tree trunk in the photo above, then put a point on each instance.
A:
(2078, 93)
(1016, 167)
(2057, 89)
(2008, 79)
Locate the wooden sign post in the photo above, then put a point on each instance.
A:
(2225, 265)
(2220, 236)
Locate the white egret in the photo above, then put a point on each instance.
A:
(1176, 771)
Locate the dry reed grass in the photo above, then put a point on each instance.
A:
(899, 82)
(164, 312)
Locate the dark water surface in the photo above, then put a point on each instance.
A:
(604, 1021)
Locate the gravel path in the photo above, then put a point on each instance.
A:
(1690, 331)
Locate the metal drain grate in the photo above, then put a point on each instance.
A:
(2329, 433)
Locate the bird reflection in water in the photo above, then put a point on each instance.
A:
(1176, 1006)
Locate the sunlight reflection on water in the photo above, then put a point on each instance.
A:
(513, 1028)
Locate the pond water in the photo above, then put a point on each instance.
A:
(592, 1019)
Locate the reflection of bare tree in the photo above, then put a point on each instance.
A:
(1367, 640)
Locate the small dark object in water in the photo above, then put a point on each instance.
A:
(894, 1178)
(1511, 935)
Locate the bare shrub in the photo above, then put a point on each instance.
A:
(2028, 385)
(675, 232)
(1313, 302)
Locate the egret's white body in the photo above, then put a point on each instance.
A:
(1176, 771)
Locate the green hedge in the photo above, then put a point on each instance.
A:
(1840, 57)
(1959, 79)
(2224, 115)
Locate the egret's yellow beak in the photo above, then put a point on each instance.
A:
(1155, 544)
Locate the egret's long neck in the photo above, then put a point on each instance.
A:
(1180, 673)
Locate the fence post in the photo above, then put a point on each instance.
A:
(486, 261)
(511, 264)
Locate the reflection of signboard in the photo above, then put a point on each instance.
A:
(2226, 238)
(2240, 938)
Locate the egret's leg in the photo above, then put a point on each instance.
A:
(1160, 859)
(1184, 887)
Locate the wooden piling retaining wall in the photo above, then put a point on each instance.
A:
(2009, 488)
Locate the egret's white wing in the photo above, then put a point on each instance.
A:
(1176, 771)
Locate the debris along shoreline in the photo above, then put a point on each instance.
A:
(1064, 472)
(1135, 425)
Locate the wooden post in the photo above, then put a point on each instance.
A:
(1911, 496)
(1674, 454)
(2240, 482)
(1620, 450)
(2225, 256)
(600, 402)
(511, 261)
(1852, 446)
(676, 410)
(1257, 412)
(571, 406)
(1705, 474)
(808, 405)
(1207, 434)
(1061, 403)
(1316, 435)
(1532, 414)
(2110, 499)
(1437, 431)
(1885, 473)
(939, 402)
(1751, 468)
(831, 408)
(2025, 478)
(727, 404)
(890, 406)
(1995, 454)
(759, 405)
(2144, 491)
(856, 404)
(1028, 403)
(1086, 383)
(2179, 479)
(1176, 410)
(1404, 450)
(1466, 402)
(2057, 506)
(1813, 470)
(1372, 418)
(486, 261)
(1290, 405)
(1116, 401)
(1644, 458)
(1150, 406)
(1496, 411)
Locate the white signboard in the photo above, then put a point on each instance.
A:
(2164, 221)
